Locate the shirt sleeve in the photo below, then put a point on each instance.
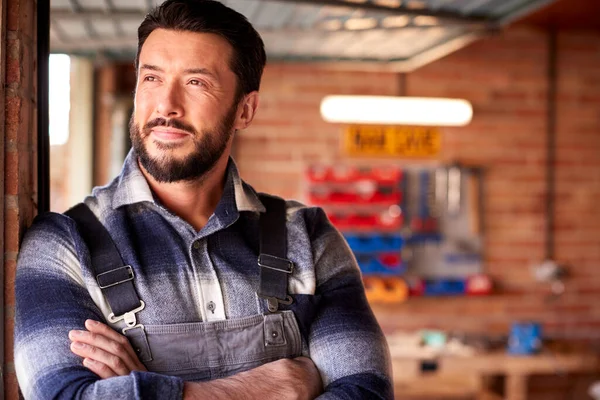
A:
(51, 300)
(345, 341)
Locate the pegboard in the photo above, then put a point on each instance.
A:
(416, 230)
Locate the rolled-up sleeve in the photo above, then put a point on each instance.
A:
(345, 341)
(51, 300)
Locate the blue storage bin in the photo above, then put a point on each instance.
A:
(389, 242)
(374, 242)
(382, 269)
(445, 287)
(371, 264)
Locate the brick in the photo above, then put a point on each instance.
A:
(12, 118)
(27, 18)
(11, 230)
(11, 173)
(28, 69)
(13, 70)
(10, 268)
(11, 386)
(12, 14)
(9, 326)
(25, 134)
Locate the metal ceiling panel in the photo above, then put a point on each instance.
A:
(276, 16)
(60, 5)
(93, 4)
(130, 28)
(367, 40)
(133, 4)
(304, 17)
(105, 27)
(74, 30)
(246, 7)
(335, 44)
(391, 34)
(278, 44)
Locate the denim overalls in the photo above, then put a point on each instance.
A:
(204, 350)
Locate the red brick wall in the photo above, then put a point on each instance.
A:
(505, 78)
(20, 167)
(105, 97)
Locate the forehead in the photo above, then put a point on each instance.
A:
(173, 50)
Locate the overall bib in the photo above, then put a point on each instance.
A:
(204, 350)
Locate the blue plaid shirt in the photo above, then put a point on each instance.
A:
(182, 271)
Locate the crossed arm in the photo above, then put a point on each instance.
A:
(109, 354)
(52, 299)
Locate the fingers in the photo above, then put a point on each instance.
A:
(100, 369)
(105, 363)
(110, 350)
(111, 334)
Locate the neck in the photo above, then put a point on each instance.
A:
(193, 201)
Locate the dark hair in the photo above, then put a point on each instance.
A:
(210, 16)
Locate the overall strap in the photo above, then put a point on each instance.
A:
(275, 268)
(114, 278)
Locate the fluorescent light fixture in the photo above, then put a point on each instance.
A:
(388, 110)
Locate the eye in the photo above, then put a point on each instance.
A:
(196, 82)
(149, 78)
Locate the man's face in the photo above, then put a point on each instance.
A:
(184, 111)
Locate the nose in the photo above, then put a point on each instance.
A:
(169, 103)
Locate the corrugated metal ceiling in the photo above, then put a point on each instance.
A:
(395, 34)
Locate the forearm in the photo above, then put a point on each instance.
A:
(236, 387)
(285, 379)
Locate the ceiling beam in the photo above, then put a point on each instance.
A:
(66, 44)
(128, 45)
(445, 16)
(89, 45)
(62, 14)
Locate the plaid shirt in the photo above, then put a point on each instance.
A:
(182, 271)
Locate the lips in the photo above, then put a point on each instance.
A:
(169, 134)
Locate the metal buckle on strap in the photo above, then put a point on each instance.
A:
(273, 302)
(276, 263)
(128, 317)
(129, 278)
(140, 326)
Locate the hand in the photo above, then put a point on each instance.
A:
(104, 351)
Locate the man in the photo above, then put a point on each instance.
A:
(187, 229)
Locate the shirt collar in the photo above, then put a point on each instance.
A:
(132, 187)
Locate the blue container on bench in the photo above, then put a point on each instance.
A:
(525, 338)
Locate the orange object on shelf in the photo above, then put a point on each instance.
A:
(385, 290)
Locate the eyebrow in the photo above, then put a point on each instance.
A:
(202, 71)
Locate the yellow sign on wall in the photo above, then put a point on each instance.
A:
(398, 141)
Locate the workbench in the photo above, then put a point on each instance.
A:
(465, 376)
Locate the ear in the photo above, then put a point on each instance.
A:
(246, 111)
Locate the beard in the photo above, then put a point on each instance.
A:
(209, 146)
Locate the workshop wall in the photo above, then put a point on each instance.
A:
(505, 78)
